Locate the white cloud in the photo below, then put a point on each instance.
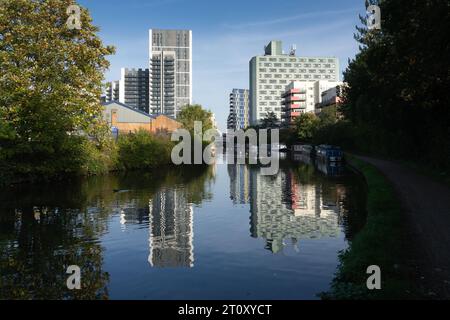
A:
(307, 15)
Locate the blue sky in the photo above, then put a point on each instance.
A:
(226, 34)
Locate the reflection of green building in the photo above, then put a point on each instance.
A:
(171, 230)
(282, 208)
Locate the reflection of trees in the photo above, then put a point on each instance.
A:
(40, 244)
(45, 228)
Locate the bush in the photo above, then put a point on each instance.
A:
(22, 161)
(142, 150)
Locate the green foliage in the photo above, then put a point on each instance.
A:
(191, 113)
(398, 83)
(328, 116)
(382, 242)
(306, 126)
(270, 121)
(50, 83)
(142, 150)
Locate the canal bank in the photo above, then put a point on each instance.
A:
(385, 241)
(425, 205)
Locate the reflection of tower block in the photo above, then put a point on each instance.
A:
(303, 197)
(283, 209)
(171, 230)
(274, 245)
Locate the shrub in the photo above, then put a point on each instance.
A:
(142, 150)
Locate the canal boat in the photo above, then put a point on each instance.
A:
(329, 153)
(304, 149)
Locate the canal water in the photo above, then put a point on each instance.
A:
(219, 232)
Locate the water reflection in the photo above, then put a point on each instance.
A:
(283, 208)
(171, 230)
(94, 222)
(239, 183)
(46, 228)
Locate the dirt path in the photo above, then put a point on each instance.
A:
(427, 205)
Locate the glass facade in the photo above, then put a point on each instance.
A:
(171, 71)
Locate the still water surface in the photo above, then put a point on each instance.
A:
(223, 232)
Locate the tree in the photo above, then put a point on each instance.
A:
(398, 83)
(306, 126)
(50, 85)
(270, 121)
(191, 113)
(328, 116)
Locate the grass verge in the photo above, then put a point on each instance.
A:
(383, 242)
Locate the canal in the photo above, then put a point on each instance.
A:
(219, 232)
